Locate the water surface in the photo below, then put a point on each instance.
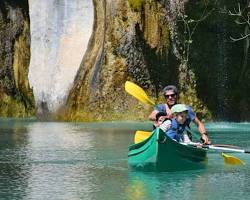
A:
(50, 160)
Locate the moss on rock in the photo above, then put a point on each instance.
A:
(136, 5)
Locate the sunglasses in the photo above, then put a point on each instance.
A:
(167, 96)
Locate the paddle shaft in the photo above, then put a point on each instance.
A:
(225, 149)
(219, 147)
(142, 135)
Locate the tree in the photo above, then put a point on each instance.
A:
(242, 18)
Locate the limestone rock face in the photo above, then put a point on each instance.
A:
(126, 45)
(60, 31)
(16, 98)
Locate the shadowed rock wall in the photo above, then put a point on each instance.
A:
(16, 99)
(221, 65)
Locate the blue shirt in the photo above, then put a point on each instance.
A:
(176, 130)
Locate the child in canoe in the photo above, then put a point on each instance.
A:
(175, 128)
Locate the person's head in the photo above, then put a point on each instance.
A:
(170, 93)
(180, 113)
(160, 117)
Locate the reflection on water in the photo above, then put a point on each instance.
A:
(13, 169)
(59, 156)
(47, 160)
(190, 185)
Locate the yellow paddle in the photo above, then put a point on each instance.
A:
(137, 92)
(141, 135)
(228, 159)
(232, 160)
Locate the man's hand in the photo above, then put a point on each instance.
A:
(205, 139)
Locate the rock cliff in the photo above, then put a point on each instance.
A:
(16, 98)
(129, 42)
(201, 46)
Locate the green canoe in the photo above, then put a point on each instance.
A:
(160, 153)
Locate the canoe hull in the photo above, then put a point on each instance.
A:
(160, 153)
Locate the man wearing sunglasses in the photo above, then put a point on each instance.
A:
(170, 93)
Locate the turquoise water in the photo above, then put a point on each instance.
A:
(49, 160)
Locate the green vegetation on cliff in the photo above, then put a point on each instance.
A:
(136, 5)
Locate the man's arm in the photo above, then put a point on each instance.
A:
(152, 116)
(202, 130)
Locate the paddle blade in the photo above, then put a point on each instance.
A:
(141, 135)
(137, 92)
(232, 160)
